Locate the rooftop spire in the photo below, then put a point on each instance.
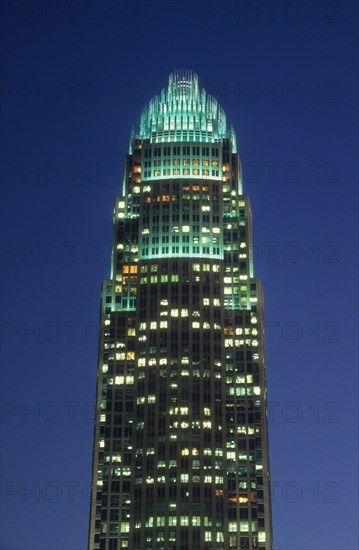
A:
(184, 112)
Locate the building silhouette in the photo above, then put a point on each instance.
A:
(180, 456)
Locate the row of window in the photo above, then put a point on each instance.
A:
(168, 150)
(209, 250)
(177, 162)
(179, 172)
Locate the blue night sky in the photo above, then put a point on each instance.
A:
(75, 79)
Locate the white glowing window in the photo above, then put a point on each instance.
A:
(153, 325)
(163, 324)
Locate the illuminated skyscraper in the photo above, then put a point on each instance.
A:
(181, 443)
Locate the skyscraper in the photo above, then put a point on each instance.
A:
(181, 442)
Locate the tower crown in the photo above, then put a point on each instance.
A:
(184, 112)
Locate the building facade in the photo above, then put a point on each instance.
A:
(180, 458)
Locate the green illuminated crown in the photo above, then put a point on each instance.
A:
(184, 112)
